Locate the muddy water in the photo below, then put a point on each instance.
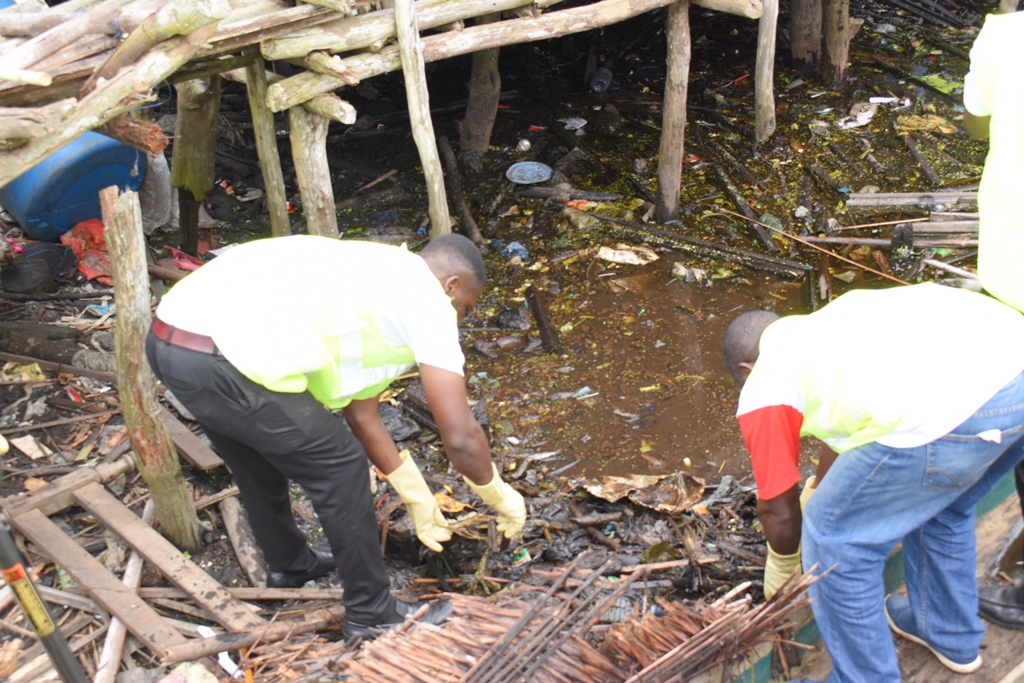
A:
(646, 350)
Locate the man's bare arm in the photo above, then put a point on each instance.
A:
(363, 418)
(463, 438)
(780, 516)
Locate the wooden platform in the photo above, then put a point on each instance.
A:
(1002, 649)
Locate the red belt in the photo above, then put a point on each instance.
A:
(178, 337)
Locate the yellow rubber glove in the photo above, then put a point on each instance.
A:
(809, 488)
(431, 526)
(777, 569)
(3, 446)
(505, 500)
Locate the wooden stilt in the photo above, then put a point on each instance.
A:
(158, 461)
(805, 31)
(309, 152)
(670, 158)
(764, 72)
(484, 92)
(415, 74)
(836, 20)
(266, 147)
(195, 147)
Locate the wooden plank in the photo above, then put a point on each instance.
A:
(890, 199)
(142, 621)
(246, 593)
(158, 551)
(190, 446)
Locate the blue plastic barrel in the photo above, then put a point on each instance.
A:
(63, 190)
(6, 3)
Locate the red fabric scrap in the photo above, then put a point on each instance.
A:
(185, 261)
(86, 240)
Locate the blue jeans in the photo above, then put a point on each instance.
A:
(876, 496)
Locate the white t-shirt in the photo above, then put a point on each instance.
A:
(340, 319)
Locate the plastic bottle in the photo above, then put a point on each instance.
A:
(601, 79)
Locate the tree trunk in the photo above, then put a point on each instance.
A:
(836, 20)
(158, 460)
(415, 74)
(673, 124)
(309, 152)
(484, 93)
(266, 147)
(805, 32)
(195, 146)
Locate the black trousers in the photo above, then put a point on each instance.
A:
(268, 438)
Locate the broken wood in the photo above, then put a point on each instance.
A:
(144, 136)
(245, 593)
(926, 167)
(158, 461)
(733, 193)
(469, 226)
(673, 123)
(317, 620)
(964, 243)
(242, 541)
(414, 73)
(194, 152)
(548, 335)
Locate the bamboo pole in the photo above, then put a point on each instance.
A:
(301, 87)
(673, 126)
(764, 72)
(158, 460)
(415, 74)
(113, 644)
(266, 147)
(309, 152)
(124, 92)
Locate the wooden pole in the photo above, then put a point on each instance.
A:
(124, 92)
(195, 147)
(158, 460)
(764, 72)
(1008, 6)
(415, 74)
(836, 20)
(670, 157)
(469, 227)
(482, 108)
(805, 32)
(301, 87)
(309, 152)
(266, 147)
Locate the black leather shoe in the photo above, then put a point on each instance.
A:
(323, 563)
(438, 612)
(1002, 605)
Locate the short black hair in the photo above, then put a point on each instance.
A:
(743, 337)
(458, 254)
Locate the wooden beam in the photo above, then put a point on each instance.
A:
(158, 551)
(304, 86)
(673, 122)
(189, 446)
(142, 621)
(415, 74)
